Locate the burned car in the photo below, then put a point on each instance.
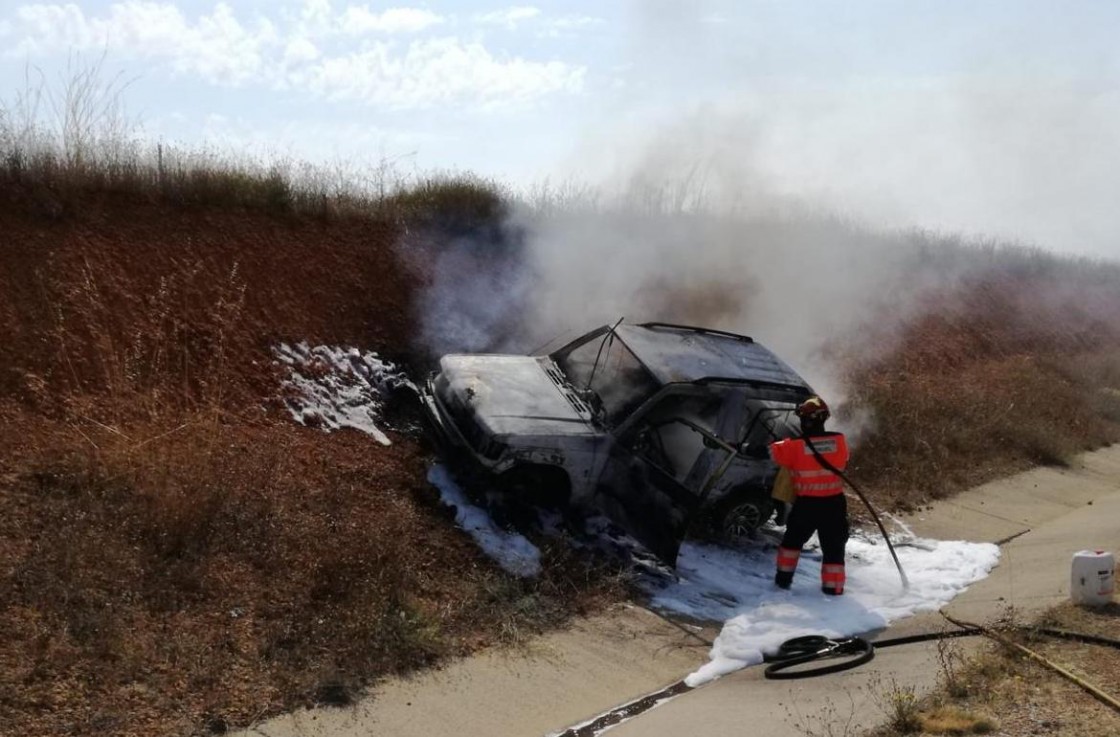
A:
(655, 425)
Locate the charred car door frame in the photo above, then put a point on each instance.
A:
(638, 491)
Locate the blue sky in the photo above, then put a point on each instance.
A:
(999, 117)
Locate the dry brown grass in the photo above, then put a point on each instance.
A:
(64, 144)
(231, 569)
(979, 387)
(953, 720)
(61, 144)
(999, 688)
(179, 557)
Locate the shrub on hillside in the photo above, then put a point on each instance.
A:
(453, 206)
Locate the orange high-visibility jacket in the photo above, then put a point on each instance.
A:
(809, 477)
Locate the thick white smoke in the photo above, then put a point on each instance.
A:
(720, 187)
(796, 284)
(995, 121)
(807, 285)
(476, 290)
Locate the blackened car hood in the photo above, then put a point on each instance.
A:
(513, 395)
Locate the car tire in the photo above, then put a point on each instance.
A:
(740, 517)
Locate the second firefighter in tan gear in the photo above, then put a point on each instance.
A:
(819, 504)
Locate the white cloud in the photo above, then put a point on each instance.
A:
(573, 22)
(316, 14)
(220, 47)
(217, 47)
(510, 17)
(437, 71)
(359, 19)
(315, 49)
(48, 26)
(569, 24)
(300, 50)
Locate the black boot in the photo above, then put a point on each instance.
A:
(783, 579)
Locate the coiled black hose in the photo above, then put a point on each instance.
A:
(857, 651)
(809, 649)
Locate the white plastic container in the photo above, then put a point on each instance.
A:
(1093, 581)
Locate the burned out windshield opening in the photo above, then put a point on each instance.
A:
(768, 421)
(619, 383)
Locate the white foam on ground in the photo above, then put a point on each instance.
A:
(715, 583)
(738, 586)
(512, 551)
(333, 387)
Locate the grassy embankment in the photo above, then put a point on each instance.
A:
(1013, 367)
(177, 556)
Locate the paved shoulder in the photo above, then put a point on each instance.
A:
(561, 678)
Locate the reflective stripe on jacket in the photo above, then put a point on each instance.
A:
(808, 476)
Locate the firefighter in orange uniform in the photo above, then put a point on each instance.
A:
(820, 505)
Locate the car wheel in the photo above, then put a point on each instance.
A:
(741, 518)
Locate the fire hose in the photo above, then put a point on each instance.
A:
(811, 648)
(857, 650)
(850, 652)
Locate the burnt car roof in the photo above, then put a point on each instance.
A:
(679, 353)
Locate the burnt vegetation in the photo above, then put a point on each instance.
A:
(176, 556)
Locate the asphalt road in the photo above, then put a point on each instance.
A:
(565, 678)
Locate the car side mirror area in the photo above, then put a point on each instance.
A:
(758, 451)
